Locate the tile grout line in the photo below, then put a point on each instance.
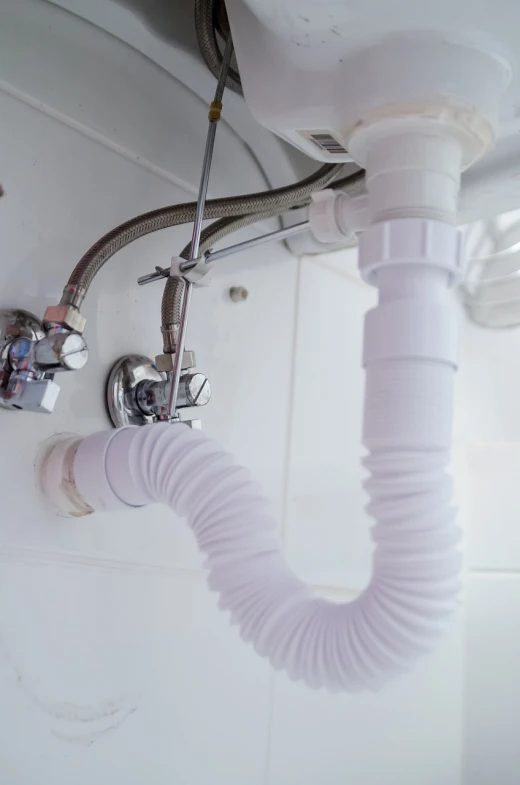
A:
(270, 720)
(464, 762)
(109, 144)
(37, 556)
(343, 593)
(290, 402)
(95, 136)
(493, 572)
(344, 274)
(44, 557)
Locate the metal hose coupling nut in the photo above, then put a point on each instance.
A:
(66, 316)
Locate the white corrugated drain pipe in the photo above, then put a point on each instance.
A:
(409, 356)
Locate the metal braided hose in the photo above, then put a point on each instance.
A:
(208, 16)
(277, 199)
(171, 305)
(353, 184)
(172, 295)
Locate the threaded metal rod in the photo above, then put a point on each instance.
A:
(214, 256)
(214, 117)
(279, 234)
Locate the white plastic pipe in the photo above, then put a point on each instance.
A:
(341, 647)
(407, 432)
(409, 357)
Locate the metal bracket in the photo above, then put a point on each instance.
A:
(199, 274)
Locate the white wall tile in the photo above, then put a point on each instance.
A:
(489, 376)
(492, 684)
(494, 512)
(127, 678)
(327, 534)
(409, 733)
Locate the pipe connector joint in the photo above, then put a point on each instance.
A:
(412, 241)
(29, 359)
(67, 317)
(335, 217)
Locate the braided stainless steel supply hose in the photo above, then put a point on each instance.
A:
(172, 295)
(209, 17)
(277, 199)
(354, 184)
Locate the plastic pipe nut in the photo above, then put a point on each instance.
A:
(335, 217)
(411, 241)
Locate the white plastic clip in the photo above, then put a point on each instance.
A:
(199, 275)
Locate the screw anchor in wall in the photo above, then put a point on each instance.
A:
(238, 294)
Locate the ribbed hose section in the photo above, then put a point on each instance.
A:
(277, 199)
(410, 360)
(338, 646)
(205, 23)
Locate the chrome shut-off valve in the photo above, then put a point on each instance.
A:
(139, 389)
(30, 354)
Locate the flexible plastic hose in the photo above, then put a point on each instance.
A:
(277, 199)
(341, 647)
(410, 361)
(207, 17)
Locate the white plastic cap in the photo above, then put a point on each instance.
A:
(328, 217)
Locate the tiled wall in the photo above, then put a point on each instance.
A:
(116, 664)
(492, 425)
